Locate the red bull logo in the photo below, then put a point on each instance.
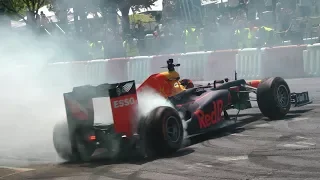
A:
(214, 116)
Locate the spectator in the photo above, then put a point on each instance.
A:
(295, 31)
(233, 7)
(96, 50)
(43, 19)
(38, 20)
(243, 35)
(268, 5)
(304, 7)
(315, 8)
(210, 37)
(130, 45)
(176, 30)
(140, 34)
(166, 41)
(192, 39)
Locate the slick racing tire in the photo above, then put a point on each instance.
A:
(273, 97)
(61, 142)
(161, 132)
(83, 147)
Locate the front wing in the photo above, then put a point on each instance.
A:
(300, 99)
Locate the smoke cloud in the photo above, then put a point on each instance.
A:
(30, 106)
(149, 99)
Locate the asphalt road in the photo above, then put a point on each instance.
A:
(254, 148)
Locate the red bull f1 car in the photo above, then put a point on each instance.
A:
(161, 132)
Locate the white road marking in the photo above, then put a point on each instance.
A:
(234, 158)
(294, 146)
(204, 165)
(300, 137)
(18, 170)
(306, 143)
(262, 125)
(298, 119)
(313, 104)
(241, 135)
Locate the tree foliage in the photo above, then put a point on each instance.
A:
(125, 5)
(144, 18)
(20, 7)
(171, 8)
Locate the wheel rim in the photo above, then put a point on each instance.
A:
(173, 129)
(283, 96)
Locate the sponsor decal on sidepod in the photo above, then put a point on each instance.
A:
(214, 116)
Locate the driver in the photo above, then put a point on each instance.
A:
(173, 78)
(187, 83)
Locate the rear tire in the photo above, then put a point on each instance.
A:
(161, 132)
(84, 148)
(273, 97)
(62, 143)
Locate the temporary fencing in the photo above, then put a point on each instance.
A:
(311, 60)
(252, 63)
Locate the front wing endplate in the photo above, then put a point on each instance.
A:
(300, 99)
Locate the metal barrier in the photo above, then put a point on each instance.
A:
(311, 60)
(117, 69)
(284, 61)
(65, 74)
(139, 68)
(96, 72)
(193, 65)
(248, 63)
(220, 65)
(160, 60)
(252, 63)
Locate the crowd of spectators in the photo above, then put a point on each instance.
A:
(242, 24)
(237, 24)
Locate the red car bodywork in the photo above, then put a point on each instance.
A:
(160, 83)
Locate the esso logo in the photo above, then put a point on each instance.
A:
(123, 102)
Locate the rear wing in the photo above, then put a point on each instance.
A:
(123, 100)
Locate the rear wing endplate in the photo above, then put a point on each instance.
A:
(123, 99)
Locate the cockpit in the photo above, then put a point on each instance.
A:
(173, 77)
(167, 83)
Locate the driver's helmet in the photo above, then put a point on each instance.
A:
(187, 83)
(173, 76)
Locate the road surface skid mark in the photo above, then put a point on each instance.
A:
(9, 171)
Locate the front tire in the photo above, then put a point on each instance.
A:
(161, 132)
(273, 97)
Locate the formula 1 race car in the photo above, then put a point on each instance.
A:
(161, 132)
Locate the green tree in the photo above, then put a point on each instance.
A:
(108, 9)
(14, 7)
(20, 8)
(125, 5)
(144, 18)
(171, 9)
